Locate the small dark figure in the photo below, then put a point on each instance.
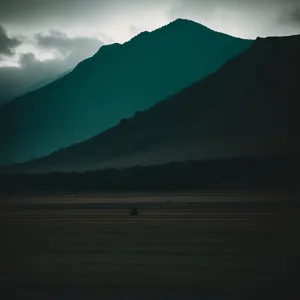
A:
(134, 211)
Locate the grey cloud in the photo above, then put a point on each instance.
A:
(7, 44)
(17, 9)
(57, 40)
(69, 11)
(32, 11)
(134, 30)
(27, 59)
(243, 18)
(295, 15)
(15, 80)
(291, 16)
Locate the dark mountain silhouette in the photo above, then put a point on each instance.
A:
(248, 107)
(44, 82)
(115, 83)
(8, 94)
(233, 174)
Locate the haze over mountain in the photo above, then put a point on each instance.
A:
(33, 87)
(247, 108)
(40, 84)
(115, 83)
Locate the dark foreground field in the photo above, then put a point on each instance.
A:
(170, 251)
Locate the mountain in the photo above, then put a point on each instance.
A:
(247, 108)
(113, 84)
(44, 82)
(239, 174)
(20, 88)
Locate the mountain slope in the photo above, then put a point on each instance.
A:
(248, 107)
(115, 83)
(239, 174)
(44, 82)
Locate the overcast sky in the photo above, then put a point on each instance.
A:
(40, 39)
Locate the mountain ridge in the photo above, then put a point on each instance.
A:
(238, 174)
(245, 108)
(113, 84)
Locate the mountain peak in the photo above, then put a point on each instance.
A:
(112, 85)
(183, 24)
(185, 21)
(108, 48)
(192, 26)
(182, 20)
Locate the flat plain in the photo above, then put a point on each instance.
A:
(93, 249)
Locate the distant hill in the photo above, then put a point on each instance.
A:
(44, 82)
(8, 94)
(113, 84)
(247, 108)
(234, 174)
